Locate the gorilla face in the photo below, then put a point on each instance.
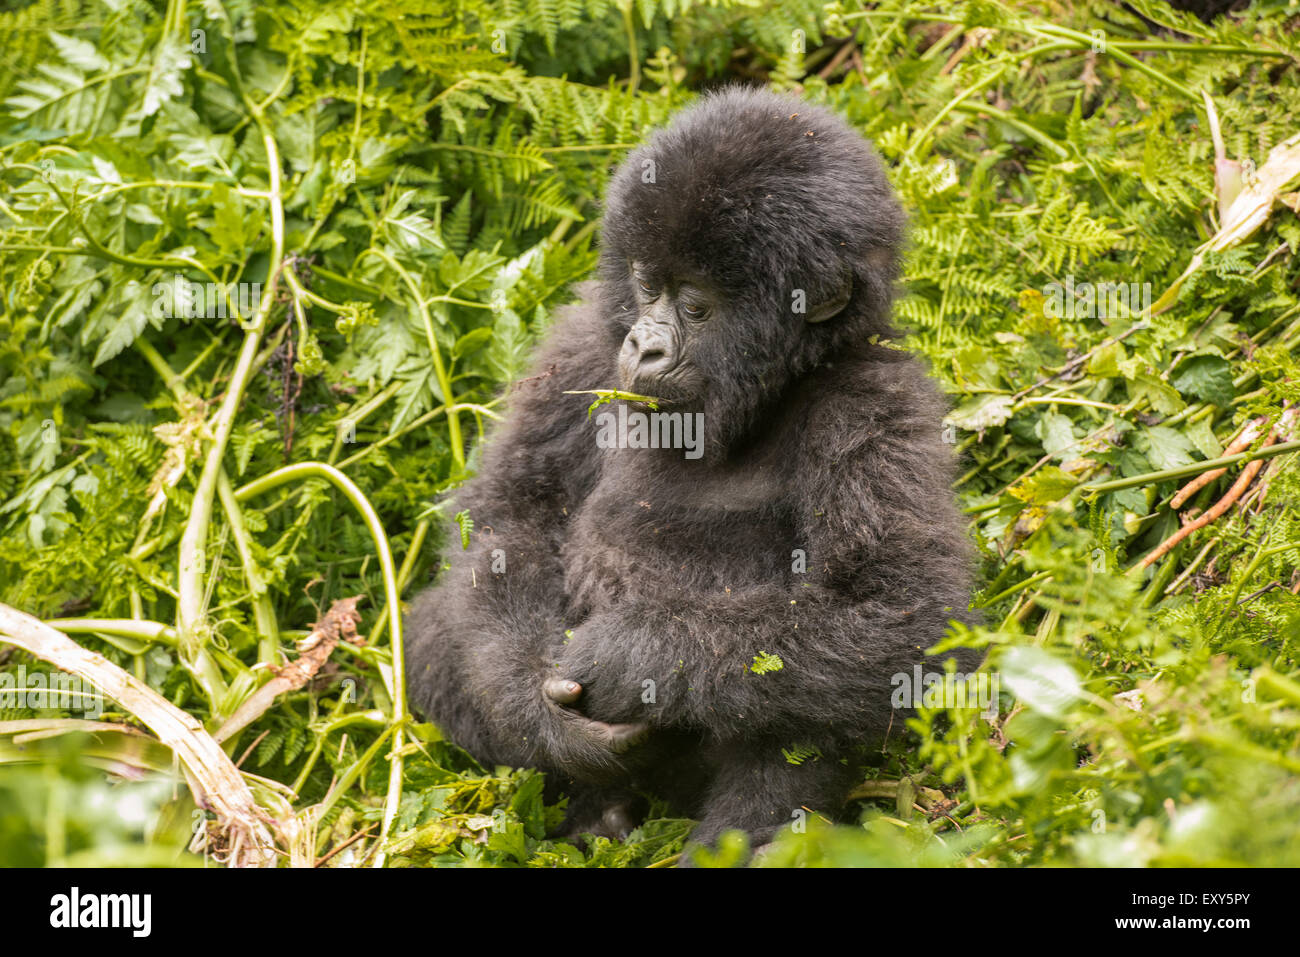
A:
(682, 333)
(742, 247)
(659, 354)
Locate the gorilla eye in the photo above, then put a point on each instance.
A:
(694, 311)
(643, 282)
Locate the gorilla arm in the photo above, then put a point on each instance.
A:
(837, 656)
(887, 569)
(482, 638)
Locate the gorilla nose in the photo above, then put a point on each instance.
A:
(646, 355)
(649, 360)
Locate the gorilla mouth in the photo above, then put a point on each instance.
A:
(663, 389)
(666, 386)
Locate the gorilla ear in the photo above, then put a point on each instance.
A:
(834, 304)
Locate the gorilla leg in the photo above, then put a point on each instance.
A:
(601, 812)
(755, 789)
(441, 682)
(668, 765)
(477, 660)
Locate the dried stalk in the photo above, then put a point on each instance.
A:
(241, 827)
(339, 622)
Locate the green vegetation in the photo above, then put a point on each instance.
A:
(265, 269)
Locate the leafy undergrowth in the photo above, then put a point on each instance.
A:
(400, 193)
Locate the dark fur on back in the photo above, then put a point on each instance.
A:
(671, 574)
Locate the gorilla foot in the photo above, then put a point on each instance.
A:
(603, 816)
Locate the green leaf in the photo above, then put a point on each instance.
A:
(1105, 361)
(411, 231)
(1044, 487)
(1202, 436)
(1167, 448)
(231, 227)
(507, 355)
(471, 342)
(1208, 378)
(132, 315)
(78, 53)
(982, 412)
(384, 348)
(1040, 680)
(1057, 434)
(414, 397)
(466, 526)
(166, 78)
(470, 274)
(1162, 396)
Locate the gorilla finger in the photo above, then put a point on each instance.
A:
(618, 737)
(562, 690)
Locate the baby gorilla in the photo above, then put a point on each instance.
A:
(635, 616)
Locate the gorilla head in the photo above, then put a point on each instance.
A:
(773, 234)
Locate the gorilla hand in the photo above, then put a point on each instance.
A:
(561, 693)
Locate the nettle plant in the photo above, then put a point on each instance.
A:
(265, 271)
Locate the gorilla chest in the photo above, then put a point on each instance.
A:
(657, 524)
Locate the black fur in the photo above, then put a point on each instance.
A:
(681, 571)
